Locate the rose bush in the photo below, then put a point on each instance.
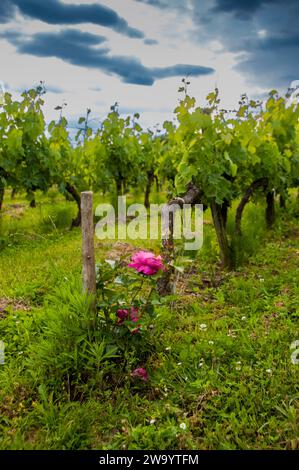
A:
(126, 301)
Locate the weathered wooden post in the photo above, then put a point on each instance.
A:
(89, 270)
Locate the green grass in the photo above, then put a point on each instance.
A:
(221, 359)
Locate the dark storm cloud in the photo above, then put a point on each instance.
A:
(6, 11)
(272, 61)
(56, 12)
(266, 31)
(77, 48)
(272, 43)
(242, 9)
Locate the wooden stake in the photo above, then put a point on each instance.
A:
(89, 270)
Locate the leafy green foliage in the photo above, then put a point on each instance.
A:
(251, 152)
(24, 150)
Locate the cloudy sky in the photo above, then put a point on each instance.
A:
(92, 53)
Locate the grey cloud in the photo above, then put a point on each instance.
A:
(57, 12)
(155, 3)
(167, 4)
(242, 9)
(77, 48)
(6, 11)
(150, 42)
(265, 30)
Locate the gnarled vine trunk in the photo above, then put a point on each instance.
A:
(224, 211)
(76, 222)
(259, 183)
(118, 188)
(192, 196)
(282, 202)
(150, 180)
(225, 251)
(164, 285)
(270, 209)
(2, 191)
(3, 178)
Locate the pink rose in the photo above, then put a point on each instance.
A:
(141, 373)
(146, 263)
(132, 315)
(122, 315)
